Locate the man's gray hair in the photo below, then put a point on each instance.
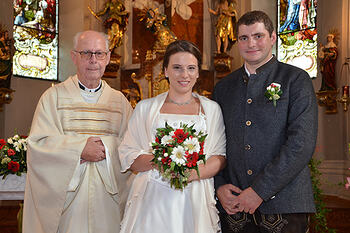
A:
(77, 35)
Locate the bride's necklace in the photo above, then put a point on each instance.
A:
(180, 104)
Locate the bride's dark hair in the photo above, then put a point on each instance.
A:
(182, 46)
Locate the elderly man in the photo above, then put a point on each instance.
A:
(74, 182)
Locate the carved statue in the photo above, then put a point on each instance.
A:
(5, 67)
(328, 57)
(157, 23)
(134, 92)
(225, 24)
(116, 21)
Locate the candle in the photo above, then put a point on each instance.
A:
(346, 91)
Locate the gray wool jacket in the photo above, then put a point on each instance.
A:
(268, 148)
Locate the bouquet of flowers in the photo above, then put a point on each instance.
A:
(13, 156)
(177, 151)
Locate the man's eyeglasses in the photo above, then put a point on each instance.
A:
(100, 55)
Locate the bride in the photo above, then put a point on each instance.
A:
(153, 206)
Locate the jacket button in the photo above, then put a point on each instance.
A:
(247, 147)
(248, 123)
(249, 101)
(249, 172)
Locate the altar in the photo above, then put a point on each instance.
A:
(12, 187)
(11, 202)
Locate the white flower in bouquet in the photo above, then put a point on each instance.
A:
(16, 137)
(178, 155)
(167, 139)
(17, 146)
(275, 97)
(192, 145)
(9, 141)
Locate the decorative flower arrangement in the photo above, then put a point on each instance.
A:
(13, 156)
(273, 92)
(176, 152)
(347, 185)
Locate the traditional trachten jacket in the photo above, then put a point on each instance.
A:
(268, 147)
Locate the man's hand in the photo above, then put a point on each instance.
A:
(94, 150)
(226, 197)
(247, 201)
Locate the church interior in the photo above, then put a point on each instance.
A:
(138, 44)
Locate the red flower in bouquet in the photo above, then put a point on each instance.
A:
(2, 143)
(176, 152)
(192, 159)
(13, 166)
(180, 135)
(10, 152)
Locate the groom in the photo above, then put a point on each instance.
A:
(266, 186)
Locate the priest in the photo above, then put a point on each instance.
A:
(74, 183)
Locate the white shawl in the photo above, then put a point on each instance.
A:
(137, 141)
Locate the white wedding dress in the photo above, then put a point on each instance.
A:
(163, 208)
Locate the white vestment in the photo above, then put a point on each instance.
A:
(137, 141)
(61, 194)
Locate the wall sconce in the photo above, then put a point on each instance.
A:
(328, 99)
(5, 97)
(345, 98)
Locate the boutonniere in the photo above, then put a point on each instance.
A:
(273, 92)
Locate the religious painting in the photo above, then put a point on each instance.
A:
(297, 34)
(35, 35)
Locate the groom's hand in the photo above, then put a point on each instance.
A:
(247, 201)
(226, 197)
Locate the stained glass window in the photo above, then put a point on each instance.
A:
(297, 34)
(36, 39)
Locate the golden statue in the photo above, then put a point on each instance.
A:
(116, 21)
(157, 23)
(160, 84)
(134, 92)
(225, 24)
